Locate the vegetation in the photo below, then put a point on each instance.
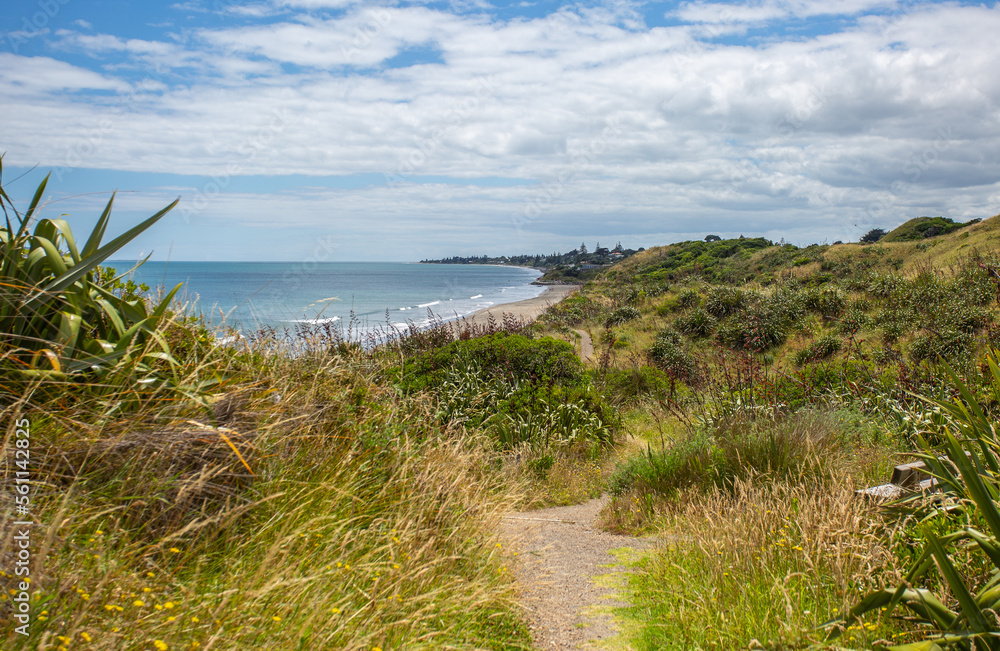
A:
(271, 494)
(924, 227)
(310, 490)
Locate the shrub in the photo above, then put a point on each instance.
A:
(667, 353)
(572, 311)
(949, 344)
(63, 317)
(797, 447)
(688, 297)
(958, 534)
(822, 348)
(853, 321)
(828, 303)
(622, 315)
(697, 323)
(630, 385)
(786, 305)
(757, 329)
(874, 235)
(723, 301)
(501, 356)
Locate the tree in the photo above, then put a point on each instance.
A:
(583, 248)
(874, 235)
(712, 238)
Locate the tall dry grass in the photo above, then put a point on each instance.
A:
(307, 507)
(761, 563)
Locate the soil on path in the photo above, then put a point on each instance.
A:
(568, 575)
(586, 345)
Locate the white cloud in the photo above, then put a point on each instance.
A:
(771, 10)
(645, 131)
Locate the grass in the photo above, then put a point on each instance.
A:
(353, 530)
(302, 489)
(762, 563)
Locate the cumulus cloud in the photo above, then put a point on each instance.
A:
(604, 126)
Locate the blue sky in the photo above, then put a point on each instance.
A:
(339, 130)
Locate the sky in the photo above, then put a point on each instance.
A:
(334, 130)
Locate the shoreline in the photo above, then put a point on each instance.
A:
(528, 309)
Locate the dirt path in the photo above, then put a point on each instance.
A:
(586, 346)
(567, 575)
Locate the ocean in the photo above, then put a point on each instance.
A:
(248, 295)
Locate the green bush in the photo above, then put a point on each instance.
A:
(828, 302)
(668, 354)
(723, 301)
(822, 348)
(622, 315)
(65, 319)
(798, 447)
(957, 535)
(854, 320)
(631, 385)
(949, 344)
(502, 356)
(756, 329)
(571, 311)
(688, 297)
(697, 323)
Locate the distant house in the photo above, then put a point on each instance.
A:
(617, 255)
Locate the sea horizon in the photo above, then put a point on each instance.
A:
(367, 295)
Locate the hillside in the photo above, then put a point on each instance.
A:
(761, 261)
(921, 228)
(303, 489)
(765, 384)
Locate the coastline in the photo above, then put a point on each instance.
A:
(528, 309)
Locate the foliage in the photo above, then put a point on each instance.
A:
(872, 236)
(750, 567)
(517, 389)
(688, 297)
(966, 523)
(922, 227)
(948, 344)
(61, 316)
(514, 358)
(622, 315)
(757, 329)
(696, 323)
(722, 301)
(798, 447)
(828, 302)
(571, 311)
(351, 519)
(634, 384)
(822, 348)
(667, 353)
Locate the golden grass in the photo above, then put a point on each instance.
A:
(349, 520)
(764, 562)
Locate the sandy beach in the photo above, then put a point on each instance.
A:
(528, 309)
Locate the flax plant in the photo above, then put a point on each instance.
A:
(57, 321)
(952, 604)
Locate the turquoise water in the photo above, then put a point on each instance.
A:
(247, 295)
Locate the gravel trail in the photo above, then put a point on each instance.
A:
(561, 553)
(586, 345)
